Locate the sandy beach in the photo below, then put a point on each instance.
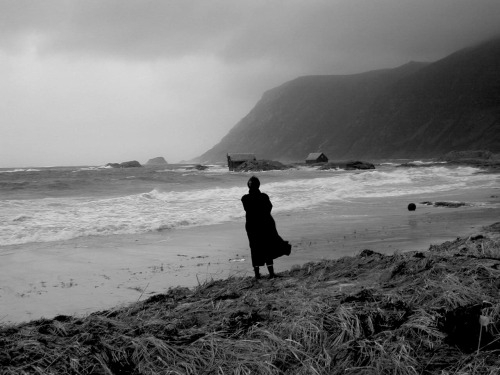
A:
(84, 275)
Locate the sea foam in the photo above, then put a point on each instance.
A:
(53, 219)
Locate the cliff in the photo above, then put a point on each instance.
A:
(416, 110)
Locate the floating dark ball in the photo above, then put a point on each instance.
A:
(412, 207)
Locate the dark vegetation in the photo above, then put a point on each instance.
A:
(432, 312)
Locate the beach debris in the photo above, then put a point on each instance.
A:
(412, 207)
(368, 253)
(476, 237)
(446, 204)
(237, 260)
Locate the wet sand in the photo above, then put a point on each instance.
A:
(84, 275)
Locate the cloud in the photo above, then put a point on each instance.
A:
(314, 32)
(93, 112)
(132, 29)
(170, 78)
(350, 36)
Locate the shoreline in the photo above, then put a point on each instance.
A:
(84, 275)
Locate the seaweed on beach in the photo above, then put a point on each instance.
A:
(429, 312)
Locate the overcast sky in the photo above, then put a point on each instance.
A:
(95, 81)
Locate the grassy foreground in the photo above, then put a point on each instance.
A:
(432, 312)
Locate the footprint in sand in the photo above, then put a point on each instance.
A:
(71, 283)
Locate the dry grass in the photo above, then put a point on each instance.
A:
(435, 312)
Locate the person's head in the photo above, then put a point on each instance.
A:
(253, 183)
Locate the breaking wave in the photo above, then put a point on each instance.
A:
(53, 219)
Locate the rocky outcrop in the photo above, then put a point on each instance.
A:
(160, 160)
(125, 164)
(261, 165)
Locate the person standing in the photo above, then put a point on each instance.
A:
(265, 242)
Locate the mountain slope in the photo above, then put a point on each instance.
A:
(453, 104)
(416, 110)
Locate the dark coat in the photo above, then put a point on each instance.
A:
(265, 242)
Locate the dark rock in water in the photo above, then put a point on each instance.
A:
(261, 165)
(412, 207)
(348, 166)
(130, 164)
(160, 160)
(125, 164)
(198, 167)
(359, 165)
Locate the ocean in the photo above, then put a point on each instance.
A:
(62, 203)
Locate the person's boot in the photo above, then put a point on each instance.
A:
(257, 273)
(288, 248)
(272, 275)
